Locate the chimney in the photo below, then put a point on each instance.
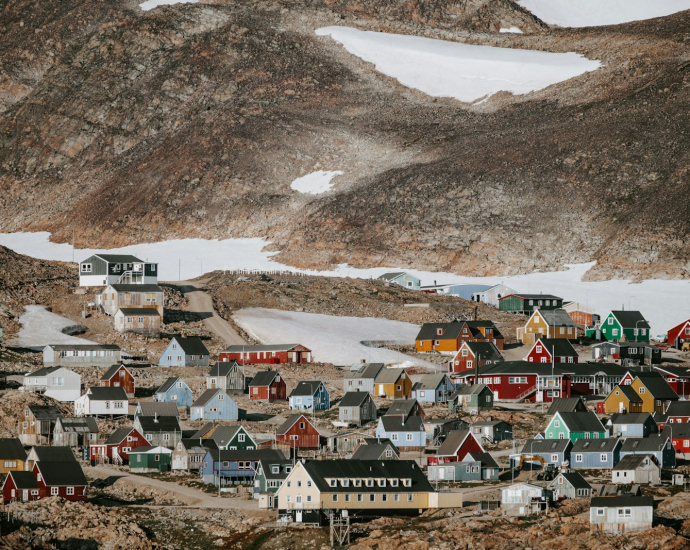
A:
(155, 417)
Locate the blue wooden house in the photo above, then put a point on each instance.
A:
(308, 395)
(595, 453)
(214, 405)
(658, 446)
(631, 424)
(174, 390)
(553, 451)
(185, 352)
(405, 433)
(433, 388)
(235, 467)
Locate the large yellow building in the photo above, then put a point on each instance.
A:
(655, 392)
(554, 323)
(393, 384)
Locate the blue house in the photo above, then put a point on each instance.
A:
(308, 395)
(405, 433)
(433, 388)
(235, 467)
(553, 451)
(214, 405)
(595, 453)
(403, 279)
(185, 352)
(632, 424)
(657, 445)
(174, 390)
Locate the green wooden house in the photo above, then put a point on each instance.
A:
(232, 438)
(270, 475)
(150, 459)
(629, 326)
(574, 426)
(528, 303)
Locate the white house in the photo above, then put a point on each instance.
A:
(621, 514)
(56, 382)
(81, 355)
(525, 499)
(99, 401)
(491, 295)
(108, 269)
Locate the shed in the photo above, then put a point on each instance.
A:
(642, 469)
(357, 408)
(621, 514)
(146, 321)
(570, 485)
(525, 499)
(150, 459)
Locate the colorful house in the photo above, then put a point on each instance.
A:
(629, 326)
(149, 459)
(272, 354)
(475, 355)
(298, 432)
(552, 451)
(406, 433)
(678, 412)
(658, 446)
(393, 383)
(362, 377)
(679, 435)
(456, 447)
(448, 337)
(270, 475)
(565, 404)
(227, 468)
(309, 395)
(581, 314)
(527, 303)
(268, 386)
(553, 324)
(60, 479)
(433, 388)
(20, 486)
(553, 350)
(118, 376)
(632, 424)
(574, 426)
(214, 405)
(624, 351)
(405, 280)
(227, 376)
(174, 390)
(185, 352)
(655, 392)
(678, 378)
(679, 334)
(117, 447)
(12, 455)
(595, 453)
(623, 398)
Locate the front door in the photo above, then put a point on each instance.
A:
(298, 516)
(620, 407)
(25, 495)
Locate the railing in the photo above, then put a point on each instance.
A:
(527, 392)
(302, 506)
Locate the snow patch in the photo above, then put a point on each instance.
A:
(41, 327)
(465, 72)
(592, 13)
(150, 4)
(515, 30)
(332, 339)
(316, 182)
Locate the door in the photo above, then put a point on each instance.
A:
(621, 407)
(25, 495)
(441, 474)
(298, 516)
(495, 395)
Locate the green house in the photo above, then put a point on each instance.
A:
(232, 438)
(150, 459)
(574, 426)
(270, 475)
(528, 303)
(629, 326)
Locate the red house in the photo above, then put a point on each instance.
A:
(458, 444)
(273, 354)
(20, 486)
(60, 479)
(679, 334)
(548, 350)
(475, 354)
(119, 376)
(116, 448)
(679, 434)
(678, 413)
(481, 331)
(268, 386)
(298, 432)
(676, 377)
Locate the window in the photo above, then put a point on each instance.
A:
(603, 457)
(543, 359)
(464, 353)
(538, 350)
(221, 397)
(408, 437)
(578, 458)
(70, 490)
(86, 268)
(531, 302)
(554, 458)
(517, 380)
(333, 482)
(600, 512)
(410, 497)
(335, 498)
(372, 497)
(54, 491)
(394, 437)
(309, 498)
(384, 497)
(614, 332)
(347, 497)
(166, 437)
(345, 482)
(561, 435)
(370, 482)
(470, 364)
(624, 512)
(288, 498)
(642, 390)
(301, 425)
(360, 497)
(557, 423)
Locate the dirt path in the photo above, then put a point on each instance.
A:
(202, 304)
(192, 497)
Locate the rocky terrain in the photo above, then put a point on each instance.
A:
(126, 126)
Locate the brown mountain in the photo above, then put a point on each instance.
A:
(193, 120)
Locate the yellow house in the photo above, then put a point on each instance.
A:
(623, 398)
(655, 392)
(363, 487)
(393, 384)
(554, 323)
(12, 455)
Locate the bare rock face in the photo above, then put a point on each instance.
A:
(192, 120)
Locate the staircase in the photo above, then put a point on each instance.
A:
(117, 459)
(521, 396)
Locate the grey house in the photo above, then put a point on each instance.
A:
(73, 432)
(156, 408)
(595, 453)
(471, 398)
(346, 442)
(108, 269)
(81, 355)
(617, 515)
(376, 449)
(362, 378)
(570, 485)
(492, 430)
(357, 407)
(553, 451)
(657, 445)
(641, 469)
(565, 405)
(159, 431)
(631, 425)
(228, 376)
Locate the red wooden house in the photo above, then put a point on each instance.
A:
(298, 432)
(678, 413)
(481, 331)
(119, 376)
(60, 479)
(678, 378)
(678, 334)
(458, 444)
(268, 386)
(116, 448)
(679, 434)
(475, 354)
(273, 354)
(556, 350)
(20, 486)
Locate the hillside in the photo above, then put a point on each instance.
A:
(128, 126)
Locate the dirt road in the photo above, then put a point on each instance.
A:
(192, 497)
(202, 304)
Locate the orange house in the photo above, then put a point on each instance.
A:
(439, 337)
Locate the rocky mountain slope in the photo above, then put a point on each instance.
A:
(193, 120)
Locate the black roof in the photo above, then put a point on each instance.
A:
(679, 408)
(160, 408)
(652, 444)
(429, 331)
(45, 412)
(270, 455)
(607, 445)
(395, 423)
(99, 393)
(469, 389)
(566, 404)
(630, 418)
(452, 443)
(322, 470)
(282, 470)
(264, 378)
(632, 462)
(24, 480)
(487, 350)
(615, 502)
(556, 317)
(112, 371)
(224, 368)
(306, 388)
(54, 454)
(525, 367)
(534, 296)
(45, 371)
(576, 480)
(657, 385)
(118, 436)
(117, 258)
(630, 319)
(194, 445)
(80, 424)
(169, 383)
(62, 474)
(373, 451)
(485, 458)
(681, 430)
(367, 370)
(582, 421)
(208, 395)
(223, 435)
(140, 311)
(84, 347)
(540, 446)
(402, 407)
(354, 399)
(629, 392)
(11, 449)
(191, 345)
(561, 347)
(159, 424)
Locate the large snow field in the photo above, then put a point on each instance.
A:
(664, 303)
(332, 339)
(41, 327)
(316, 182)
(592, 13)
(150, 4)
(465, 72)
